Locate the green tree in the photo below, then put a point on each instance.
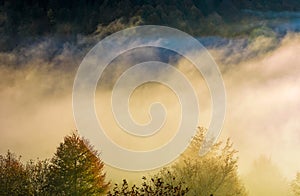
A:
(76, 169)
(37, 173)
(212, 174)
(296, 185)
(13, 176)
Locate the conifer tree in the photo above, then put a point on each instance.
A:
(76, 169)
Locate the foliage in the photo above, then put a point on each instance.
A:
(37, 176)
(214, 173)
(30, 19)
(76, 169)
(13, 176)
(296, 185)
(154, 187)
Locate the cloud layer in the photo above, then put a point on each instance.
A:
(261, 76)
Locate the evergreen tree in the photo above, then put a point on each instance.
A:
(265, 178)
(76, 169)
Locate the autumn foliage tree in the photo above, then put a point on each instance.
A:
(76, 169)
(13, 176)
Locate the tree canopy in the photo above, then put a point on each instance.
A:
(76, 169)
(13, 176)
(214, 173)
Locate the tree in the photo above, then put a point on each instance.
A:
(265, 178)
(212, 174)
(13, 176)
(296, 185)
(37, 173)
(76, 169)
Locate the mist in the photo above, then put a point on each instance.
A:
(261, 76)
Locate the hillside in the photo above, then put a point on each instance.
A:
(27, 19)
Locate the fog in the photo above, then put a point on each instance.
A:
(261, 75)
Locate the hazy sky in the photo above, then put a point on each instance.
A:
(262, 84)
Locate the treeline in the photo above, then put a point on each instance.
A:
(21, 19)
(76, 169)
(44, 17)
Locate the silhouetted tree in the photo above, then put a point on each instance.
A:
(157, 185)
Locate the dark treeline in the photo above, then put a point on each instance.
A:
(21, 19)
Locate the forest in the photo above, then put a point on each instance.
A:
(255, 44)
(22, 21)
